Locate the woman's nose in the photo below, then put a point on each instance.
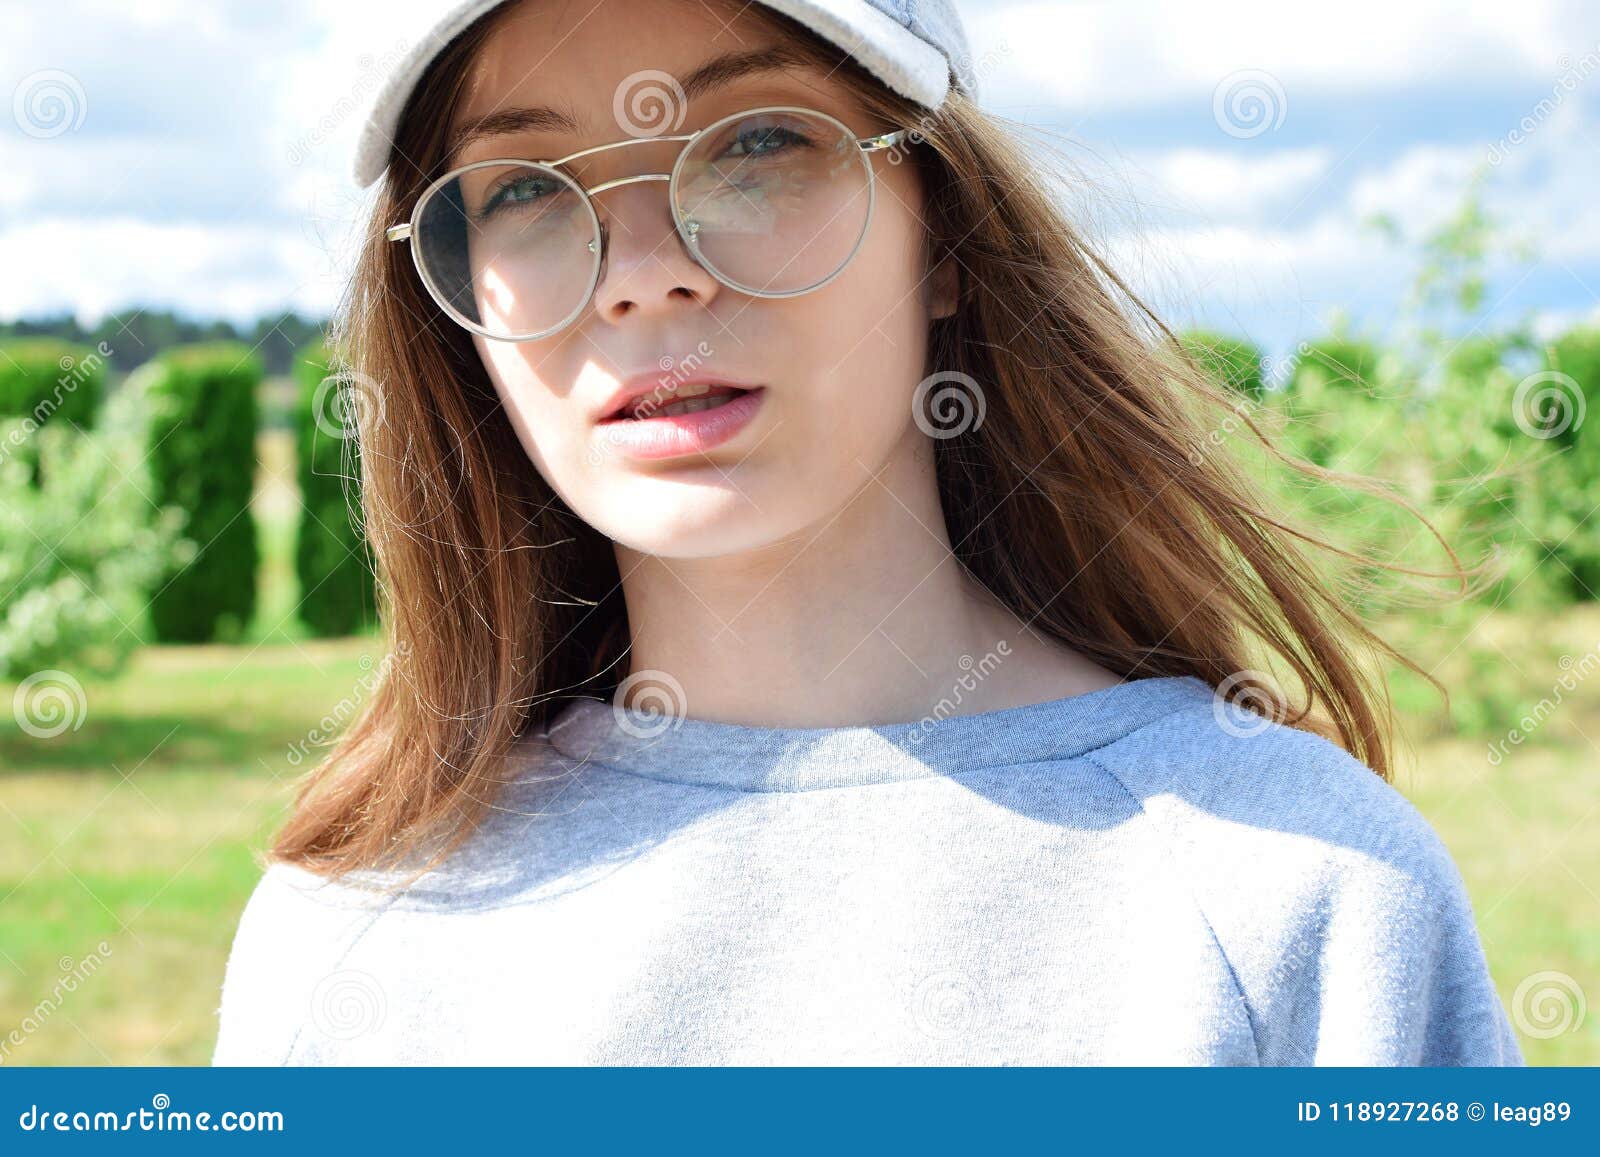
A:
(645, 266)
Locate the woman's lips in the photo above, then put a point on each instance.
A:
(659, 401)
(671, 435)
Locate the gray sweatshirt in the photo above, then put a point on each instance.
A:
(1137, 875)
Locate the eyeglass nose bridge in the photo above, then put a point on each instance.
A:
(591, 190)
(688, 227)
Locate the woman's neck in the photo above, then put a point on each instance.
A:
(864, 618)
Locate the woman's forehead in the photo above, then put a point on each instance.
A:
(538, 48)
(594, 81)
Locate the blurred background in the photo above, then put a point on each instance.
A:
(1376, 223)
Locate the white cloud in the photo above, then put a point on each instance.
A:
(1094, 56)
(1552, 323)
(1420, 188)
(1229, 185)
(93, 267)
(1274, 284)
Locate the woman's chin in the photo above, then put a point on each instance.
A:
(684, 517)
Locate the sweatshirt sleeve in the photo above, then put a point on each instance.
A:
(1398, 975)
(1343, 918)
(291, 934)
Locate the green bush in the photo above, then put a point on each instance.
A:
(1230, 361)
(1566, 418)
(1484, 474)
(79, 553)
(1447, 446)
(337, 590)
(201, 442)
(47, 381)
(1333, 400)
(1341, 361)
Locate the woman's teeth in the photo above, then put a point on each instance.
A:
(692, 405)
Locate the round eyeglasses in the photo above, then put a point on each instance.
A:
(772, 201)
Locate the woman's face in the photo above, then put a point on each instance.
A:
(836, 368)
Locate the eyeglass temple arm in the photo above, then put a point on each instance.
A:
(868, 145)
(885, 141)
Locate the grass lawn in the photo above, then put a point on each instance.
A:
(139, 829)
(1521, 826)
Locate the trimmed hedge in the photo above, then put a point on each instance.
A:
(47, 382)
(50, 380)
(338, 592)
(202, 448)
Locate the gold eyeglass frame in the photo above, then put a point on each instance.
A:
(687, 230)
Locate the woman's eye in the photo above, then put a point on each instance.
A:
(521, 191)
(766, 141)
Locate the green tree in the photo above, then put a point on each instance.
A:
(338, 594)
(80, 553)
(1558, 405)
(202, 432)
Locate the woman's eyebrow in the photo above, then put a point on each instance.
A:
(714, 73)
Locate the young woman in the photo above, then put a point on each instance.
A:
(816, 637)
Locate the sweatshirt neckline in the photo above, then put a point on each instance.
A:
(707, 753)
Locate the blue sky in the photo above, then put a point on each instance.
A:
(196, 156)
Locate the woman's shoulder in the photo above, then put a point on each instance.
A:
(1340, 909)
(1257, 809)
(295, 928)
(1211, 764)
(285, 965)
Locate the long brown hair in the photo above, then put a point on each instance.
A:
(1080, 501)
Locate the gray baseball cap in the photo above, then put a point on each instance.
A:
(913, 46)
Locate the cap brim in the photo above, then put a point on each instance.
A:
(894, 54)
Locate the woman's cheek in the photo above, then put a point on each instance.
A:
(542, 427)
